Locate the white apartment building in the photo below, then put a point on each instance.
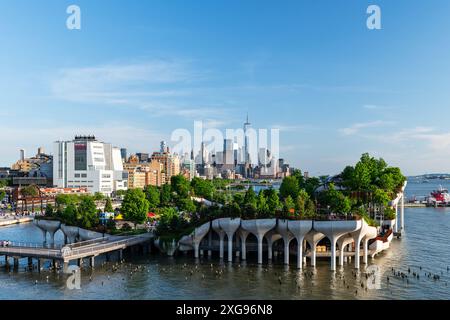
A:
(86, 162)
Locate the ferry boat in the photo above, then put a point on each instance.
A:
(439, 197)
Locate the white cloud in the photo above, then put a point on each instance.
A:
(160, 88)
(292, 128)
(357, 127)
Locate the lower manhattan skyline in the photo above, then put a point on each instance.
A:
(289, 69)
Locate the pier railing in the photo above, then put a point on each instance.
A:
(16, 244)
(87, 242)
(102, 247)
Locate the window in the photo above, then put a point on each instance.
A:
(80, 156)
(99, 159)
(84, 175)
(77, 175)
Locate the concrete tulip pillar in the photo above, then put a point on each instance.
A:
(243, 236)
(365, 252)
(313, 238)
(43, 231)
(370, 233)
(71, 233)
(334, 230)
(44, 236)
(402, 213)
(216, 227)
(229, 226)
(282, 228)
(300, 228)
(342, 243)
(259, 227)
(198, 235)
(271, 237)
(357, 237)
(209, 244)
(396, 219)
(49, 226)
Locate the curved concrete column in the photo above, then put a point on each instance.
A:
(85, 235)
(216, 227)
(300, 228)
(259, 227)
(370, 233)
(282, 228)
(198, 235)
(342, 243)
(71, 233)
(313, 238)
(365, 250)
(358, 235)
(243, 235)
(271, 237)
(229, 226)
(334, 230)
(49, 226)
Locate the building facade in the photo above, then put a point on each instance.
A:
(87, 163)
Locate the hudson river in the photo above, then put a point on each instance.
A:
(424, 249)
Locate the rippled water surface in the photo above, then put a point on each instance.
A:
(424, 249)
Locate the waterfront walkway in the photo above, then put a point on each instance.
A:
(14, 220)
(77, 251)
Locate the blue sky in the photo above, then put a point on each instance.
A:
(137, 70)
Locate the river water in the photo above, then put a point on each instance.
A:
(424, 249)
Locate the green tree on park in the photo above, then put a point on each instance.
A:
(263, 207)
(238, 198)
(166, 197)
(203, 188)
(98, 196)
(87, 212)
(49, 211)
(310, 185)
(153, 196)
(301, 201)
(187, 205)
(250, 197)
(180, 186)
(70, 215)
(273, 201)
(2, 195)
(108, 205)
(338, 202)
(232, 210)
(288, 207)
(289, 187)
(135, 206)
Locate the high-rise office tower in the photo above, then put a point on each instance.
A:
(124, 154)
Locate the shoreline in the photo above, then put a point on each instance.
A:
(13, 221)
